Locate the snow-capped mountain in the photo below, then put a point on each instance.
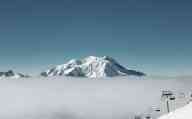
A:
(91, 67)
(182, 113)
(11, 74)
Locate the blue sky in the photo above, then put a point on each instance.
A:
(153, 36)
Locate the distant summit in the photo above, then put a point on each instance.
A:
(91, 67)
(11, 74)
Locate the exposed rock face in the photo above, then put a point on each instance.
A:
(91, 67)
(11, 74)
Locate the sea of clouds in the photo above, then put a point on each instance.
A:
(72, 98)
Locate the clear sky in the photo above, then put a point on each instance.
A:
(154, 36)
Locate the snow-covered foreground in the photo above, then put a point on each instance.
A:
(58, 98)
(182, 113)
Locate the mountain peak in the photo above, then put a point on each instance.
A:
(11, 74)
(91, 67)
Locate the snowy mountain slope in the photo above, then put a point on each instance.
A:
(92, 67)
(11, 74)
(182, 113)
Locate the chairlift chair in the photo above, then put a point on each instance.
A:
(172, 98)
(148, 117)
(157, 110)
(167, 93)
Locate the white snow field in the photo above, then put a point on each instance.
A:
(72, 98)
(182, 113)
(91, 67)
